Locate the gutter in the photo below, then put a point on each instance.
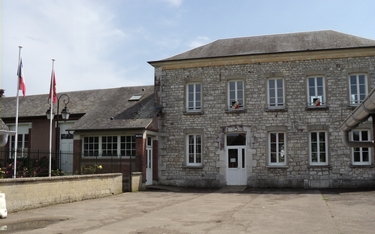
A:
(4, 136)
(359, 115)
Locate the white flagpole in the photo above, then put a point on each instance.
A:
(16, 127)
(51, 117)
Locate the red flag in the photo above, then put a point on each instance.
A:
(52, 89)
(316, 101)
(21, 82)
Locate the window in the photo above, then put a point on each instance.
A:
(358, 88)
(234, 139)
(127, 146)
(194, 149)
(235, 94)
(276, 93)
(109, 146)
(361, 156)
(136, 97)
(194, 97)
(276, 148)
(316, 94)
(22, 141)
(318, 148)
(149, 141)
(91, 146)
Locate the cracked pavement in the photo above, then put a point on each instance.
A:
(179, 210)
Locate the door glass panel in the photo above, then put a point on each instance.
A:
(236, 139)
(232, 158)
(148, 159)
(243, 158)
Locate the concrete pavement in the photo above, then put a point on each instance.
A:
(229, 210)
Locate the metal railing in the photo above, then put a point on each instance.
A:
(36, 164)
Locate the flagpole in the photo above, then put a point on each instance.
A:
(16, 127)
(50, 120)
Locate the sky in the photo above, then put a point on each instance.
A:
(100, 44)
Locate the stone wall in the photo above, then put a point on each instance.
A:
(30, 193)
(296, 119)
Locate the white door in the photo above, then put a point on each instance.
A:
(236, 171)
(66, 148)
(149, 161)
(236, 159)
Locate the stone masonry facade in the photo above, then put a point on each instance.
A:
(257, 120)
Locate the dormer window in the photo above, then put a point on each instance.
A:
(136, 97)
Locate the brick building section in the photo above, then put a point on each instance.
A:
(140, 154)
(155, 157)
(77, 146)
(109, 165)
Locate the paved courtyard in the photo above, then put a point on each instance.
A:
(177, 210)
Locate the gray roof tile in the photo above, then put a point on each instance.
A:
(96, 106)
(291, 42)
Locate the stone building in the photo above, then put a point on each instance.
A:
(265, 111)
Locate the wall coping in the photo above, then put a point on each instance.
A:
(57, 178)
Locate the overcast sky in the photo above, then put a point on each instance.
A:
(101, 44)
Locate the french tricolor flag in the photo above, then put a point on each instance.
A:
(21, 82)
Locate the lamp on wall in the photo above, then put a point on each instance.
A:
(65, 113)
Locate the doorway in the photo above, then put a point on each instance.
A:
(66, 148)
(236, 159)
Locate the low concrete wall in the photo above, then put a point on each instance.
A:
(136, 182)
(30, 193)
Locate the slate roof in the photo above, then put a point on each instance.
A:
(3, 126)
(291, 42)
(96, 106)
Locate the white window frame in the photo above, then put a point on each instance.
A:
(197, 149)
(22, 131)
(237, 99)
(321, 96)
(361, 150)
(276, 104)
(355, 99)
(281, 150)
(318, 148)
(136, 97)
(197, 104)
(109, 146)
(121, 149)
(92, 151)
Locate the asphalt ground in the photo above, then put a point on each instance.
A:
(178, 210)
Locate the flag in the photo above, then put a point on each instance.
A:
(21, 82)
(316, 101)
(52, 89)
(235, 105)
